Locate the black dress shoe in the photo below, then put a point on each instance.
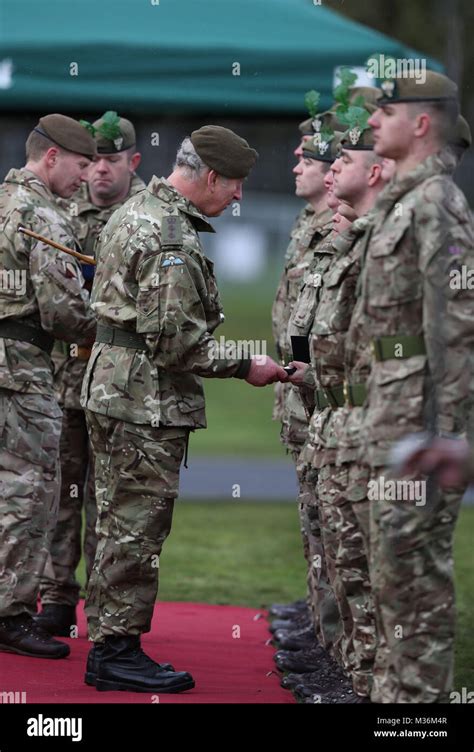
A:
(19, 634)
(125, 667)
(288, 610)
(298, 639)
(328, 668)
(300, 661)
(93, 661)
(57, 619)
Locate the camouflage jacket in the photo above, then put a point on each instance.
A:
(299, 403)
(51, 295)
(332, 315)
(421, 239)
(308, 242)
(152, 278)
(88, 220)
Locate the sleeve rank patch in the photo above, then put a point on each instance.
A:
(171, 231)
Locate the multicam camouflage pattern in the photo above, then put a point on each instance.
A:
(310, 247)
(309, 243)
(30, 426)
(88, 221)
(137, 473)
(412, 580)
(322, 602)
(153, 278)
(342, 538)
(422, 232)
(53, 296)
(59, 584)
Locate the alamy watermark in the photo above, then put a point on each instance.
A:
(13, 280)
(383, 489)
(389, 68)
(231, 349)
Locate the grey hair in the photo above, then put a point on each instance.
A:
(189, 160)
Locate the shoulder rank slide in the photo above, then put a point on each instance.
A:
(171, 231)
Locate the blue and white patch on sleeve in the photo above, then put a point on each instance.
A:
(172, 261)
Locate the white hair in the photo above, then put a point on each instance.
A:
(189, 161)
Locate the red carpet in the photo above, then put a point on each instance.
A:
(194, 637)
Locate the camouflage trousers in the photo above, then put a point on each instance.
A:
(322, 602)
(59, 584)
(352, 567)
(30, 428)
(137, 476)
(330, 486)
(412, 578)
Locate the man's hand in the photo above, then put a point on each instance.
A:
(446, 458)
(301, 368)
(264, 370)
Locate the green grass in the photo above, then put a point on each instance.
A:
(239, 415)
(251, 555)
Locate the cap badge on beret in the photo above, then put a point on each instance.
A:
(323, 139)
(356, 120)
(316, 123)
(388, 88)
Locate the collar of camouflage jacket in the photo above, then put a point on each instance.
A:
(31, 181)
(442, 163)
(82, 198)
(163, 190)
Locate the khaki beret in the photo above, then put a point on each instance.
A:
(461, 135)
(436, 88)
(223, 151)
(67, 133)
(356, 140)
(120, 138)
(323, 146)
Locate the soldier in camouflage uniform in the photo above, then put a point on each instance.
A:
(307, 239)
(421, 333)
(111, 181)
(50, 302)
(157, 304)
(309, 231)
(358, 180)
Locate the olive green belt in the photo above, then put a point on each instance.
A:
(330, 396)
(121, 337)
(355, 394)
(386, 348)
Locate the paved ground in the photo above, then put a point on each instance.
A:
(244, 478)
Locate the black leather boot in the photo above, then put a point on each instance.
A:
(57, 619)
(20, 634)
(288, 610)
(124, 666)
(94, 658)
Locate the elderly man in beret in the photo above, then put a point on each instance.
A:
(111, 182)
(46, 300)
(157, 303)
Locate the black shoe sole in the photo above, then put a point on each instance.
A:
(17, 651)
(103, 685)
(90, 679)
